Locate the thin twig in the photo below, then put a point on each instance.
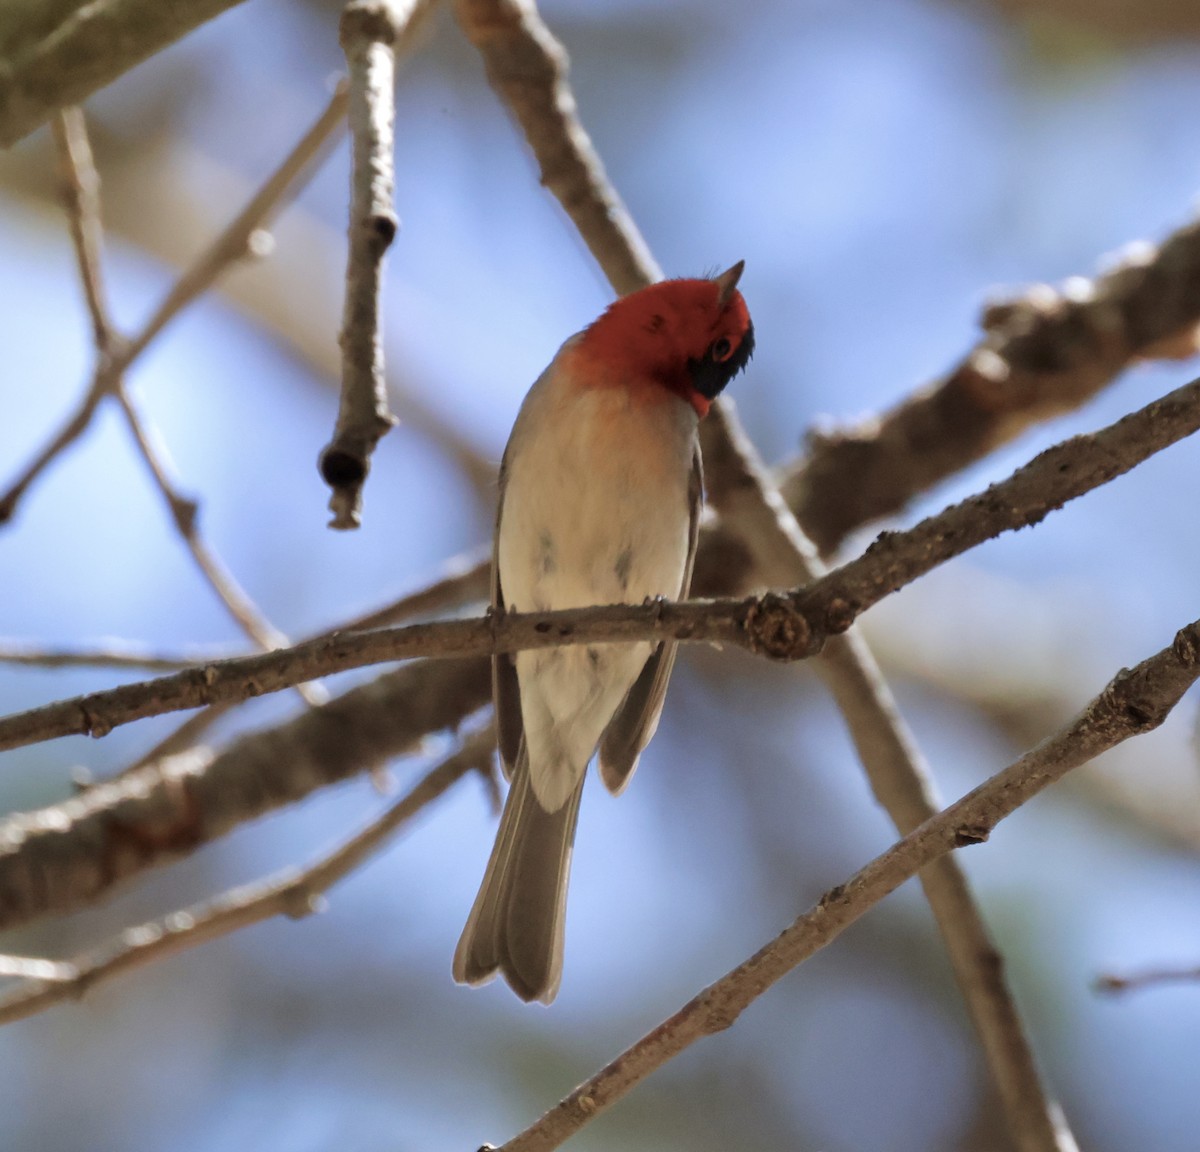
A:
(782, 627)
(183, 738)
(71, 854)
(368, 32)
(83, 208)
(1044, 353)
(1133, 703)
(1113, 983)
(81, 193)
(241, 237)
(899, 777)
(465, 581)
(69, 431)
(112, 654)
(185, 515)
(293, 893)
(233, 244)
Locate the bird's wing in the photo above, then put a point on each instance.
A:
(634, 722)
(506, 692)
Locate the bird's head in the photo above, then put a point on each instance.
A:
(690, 337)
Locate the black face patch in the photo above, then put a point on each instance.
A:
(710, 375)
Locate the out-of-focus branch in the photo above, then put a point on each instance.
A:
(241, 238)
(82, 184)
(782, 627)
(739, 487)
(527, 67)
(368, 31)
(46, 68)
(1114, 983)
(1044, 353)
(1134, 702)
(295, 893)
(69, 855)
(244, 235)
(466, 580)
(185, 515)
(114, 654)
(81, 194)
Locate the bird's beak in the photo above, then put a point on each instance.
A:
(727, 282)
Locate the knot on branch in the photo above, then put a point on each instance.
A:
(776, 628)
(383, 227)
(968, 834)
(185, 511)
(1186, 646)
(1138, 715)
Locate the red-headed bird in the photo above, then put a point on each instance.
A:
(600, 494)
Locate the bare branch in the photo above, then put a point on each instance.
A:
(232, 245)
(1134, 702)
(368, 31)
(294, 893)
(81, 193)
(527, 67)
(91, 46)
(899, 777)
(1114, 984)
(71, 854)
(791, 627)
(185, 516)
(71, 429)
(243, 235)
(1044, 353)
(113, 654)
(466, 581)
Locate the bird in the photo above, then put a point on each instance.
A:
(601, 488)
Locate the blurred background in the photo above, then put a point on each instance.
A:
(881, 167)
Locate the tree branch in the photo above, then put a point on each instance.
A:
(791, 627)
(71, 854)
(82, 195)
(44, 68)
(113, 654)
(527, 67)
(239, 239)
(1134, 702)
(292, 892)
(1044, 353)
(1113, 984)
(899, 777)
(368, 30)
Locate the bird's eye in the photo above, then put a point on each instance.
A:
(721, 349)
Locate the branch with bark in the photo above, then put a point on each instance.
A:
(791, 626)
(1045, 352)
(368, 30)
(72, 854)
(294, 893)
(46, 67)
(1134, 702)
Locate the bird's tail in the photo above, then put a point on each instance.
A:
(516, 924)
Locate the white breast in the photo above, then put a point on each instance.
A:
(595, 511)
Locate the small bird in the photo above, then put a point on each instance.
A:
(600, 496)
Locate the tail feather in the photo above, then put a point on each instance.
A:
(516, 925)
